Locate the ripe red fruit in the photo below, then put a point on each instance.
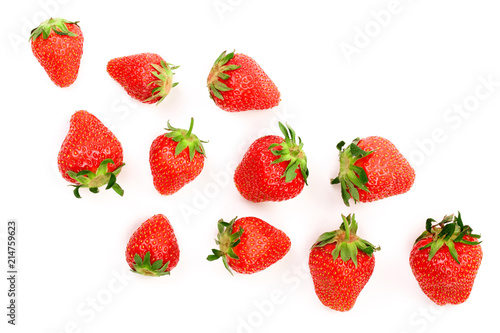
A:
(446, 273)
(176, 158)
(249, 245)
(153, 250)
(90, 155)
(145, 77)
(273, 168)
(58, 46)
(237, 83)
(372, 169)
(339, 271)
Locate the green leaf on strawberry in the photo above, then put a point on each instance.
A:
(144, 266)
(92, 181)
(292, 152)
(226, 240)
(449, 231)
(219, 70)
(53, 24)
(346, 240)
(351, 177)
(164, 83)
(185, 139)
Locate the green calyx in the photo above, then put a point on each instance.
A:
(144, 266)
(57, 25)
(347, 243)
(93, 181)
(185, 139)
(226, 240)
(164, 83)
(449, 231)
(351, 177)
(217, 72)
(292, 152)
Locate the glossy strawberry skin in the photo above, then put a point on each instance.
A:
(442, 279)
(250, 87)
(170, 173)
(86, 145)
(261, 245)
(389, 173)
(258, 180)
(60, 55)
(157, 237)
(135, 74)
(337, 283)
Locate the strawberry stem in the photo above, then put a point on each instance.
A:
(188, 134)
(346, 228)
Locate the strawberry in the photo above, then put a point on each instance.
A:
(273, 168)
(237, 83)
(90, 155)
(58, 46)
(446, 273)
(176, 158)
(372, 169)
(145, 77)
(249, 245)
(341, 264)
(153, 250)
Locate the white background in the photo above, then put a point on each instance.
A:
(412, 65)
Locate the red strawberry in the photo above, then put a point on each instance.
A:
(372, 169)
(446, 273)
(145, 77)
(249, 245)
(176, 158)
(273, 168)
(237, 83)
(153, 250)
(339, 271)
(90, 156)
(58, 46)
